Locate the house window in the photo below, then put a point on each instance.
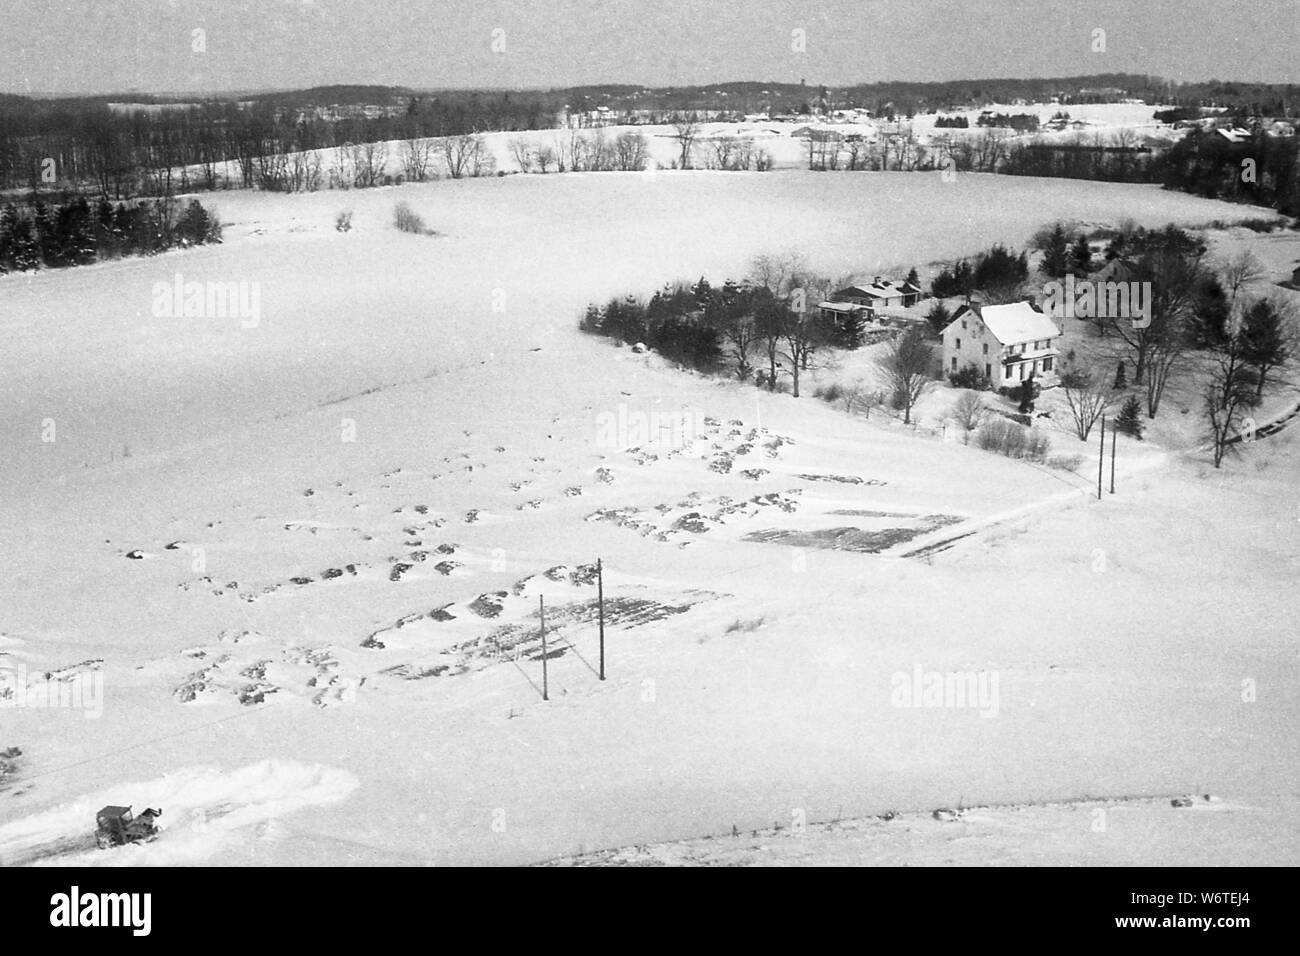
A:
(988, 370)
(963, 323)
(959, 344)
(1022, 371)
(986, 348)
(1047, 364)
(954, 363)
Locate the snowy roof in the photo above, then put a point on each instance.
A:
(840, 306)
(883, 289)
(1014, 323)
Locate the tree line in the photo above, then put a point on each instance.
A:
(57, 236)
(89, 146)
(767, 328)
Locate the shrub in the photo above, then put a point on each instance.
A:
(1010, 439)
(408, 220)
(830, 393)
(970, 377)
(1262, 225)
(1065, 462)
(343, 221)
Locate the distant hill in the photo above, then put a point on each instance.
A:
(757, 95)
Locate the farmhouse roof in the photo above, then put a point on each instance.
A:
(1235, 135)
(1013, 323)
(879, 289)
(839, 306)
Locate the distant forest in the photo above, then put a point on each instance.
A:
(120, 147)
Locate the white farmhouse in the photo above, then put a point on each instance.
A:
(1007, 343)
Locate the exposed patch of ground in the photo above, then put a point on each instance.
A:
(853, 539)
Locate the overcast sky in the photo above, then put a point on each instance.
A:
(103, 46)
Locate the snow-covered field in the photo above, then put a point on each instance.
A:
(302, 556)
(780, 140)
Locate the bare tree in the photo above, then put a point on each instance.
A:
(599, 153)
(545, 157)
(462, 154)
(417, 155)
(342, 172)
(777, 273)
(369, 161)
(988, 152)
(908, 364)
(1172, 277)
(969, 413)
(1088, 396)
(1126, 138)
(567, 143)
(721, 152)
(1238, 271)
(732, 312)
(685, 132)
(1230, 390)
(522, 152)
(803, 330)
(272, 172)
(296, 171)
(857, 152)
(631, 152)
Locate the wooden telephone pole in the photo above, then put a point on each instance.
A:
(541, 604)
(600, 598)
(1113, 432)
(1101, 456)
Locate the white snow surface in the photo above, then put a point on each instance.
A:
(381, 715)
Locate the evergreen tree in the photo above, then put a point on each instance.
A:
(702, 291)
(26, 247)
(75, 230)
(106, 239)
(192, 228)
(1081, 256)
(1027, 394)
(849, 331)
(1056, 252)
(8, 219)
(1211, 314)
(43, 231)
(1267, 341)
(912, 278)
(998, 272)
(1129, 419)
(938, 317)
(1121, 376)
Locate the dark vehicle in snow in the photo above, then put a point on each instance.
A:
(117, 826)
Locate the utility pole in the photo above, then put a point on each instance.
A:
(541, 604)
(1101, 456)
(600, 598)
(1113, 432)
